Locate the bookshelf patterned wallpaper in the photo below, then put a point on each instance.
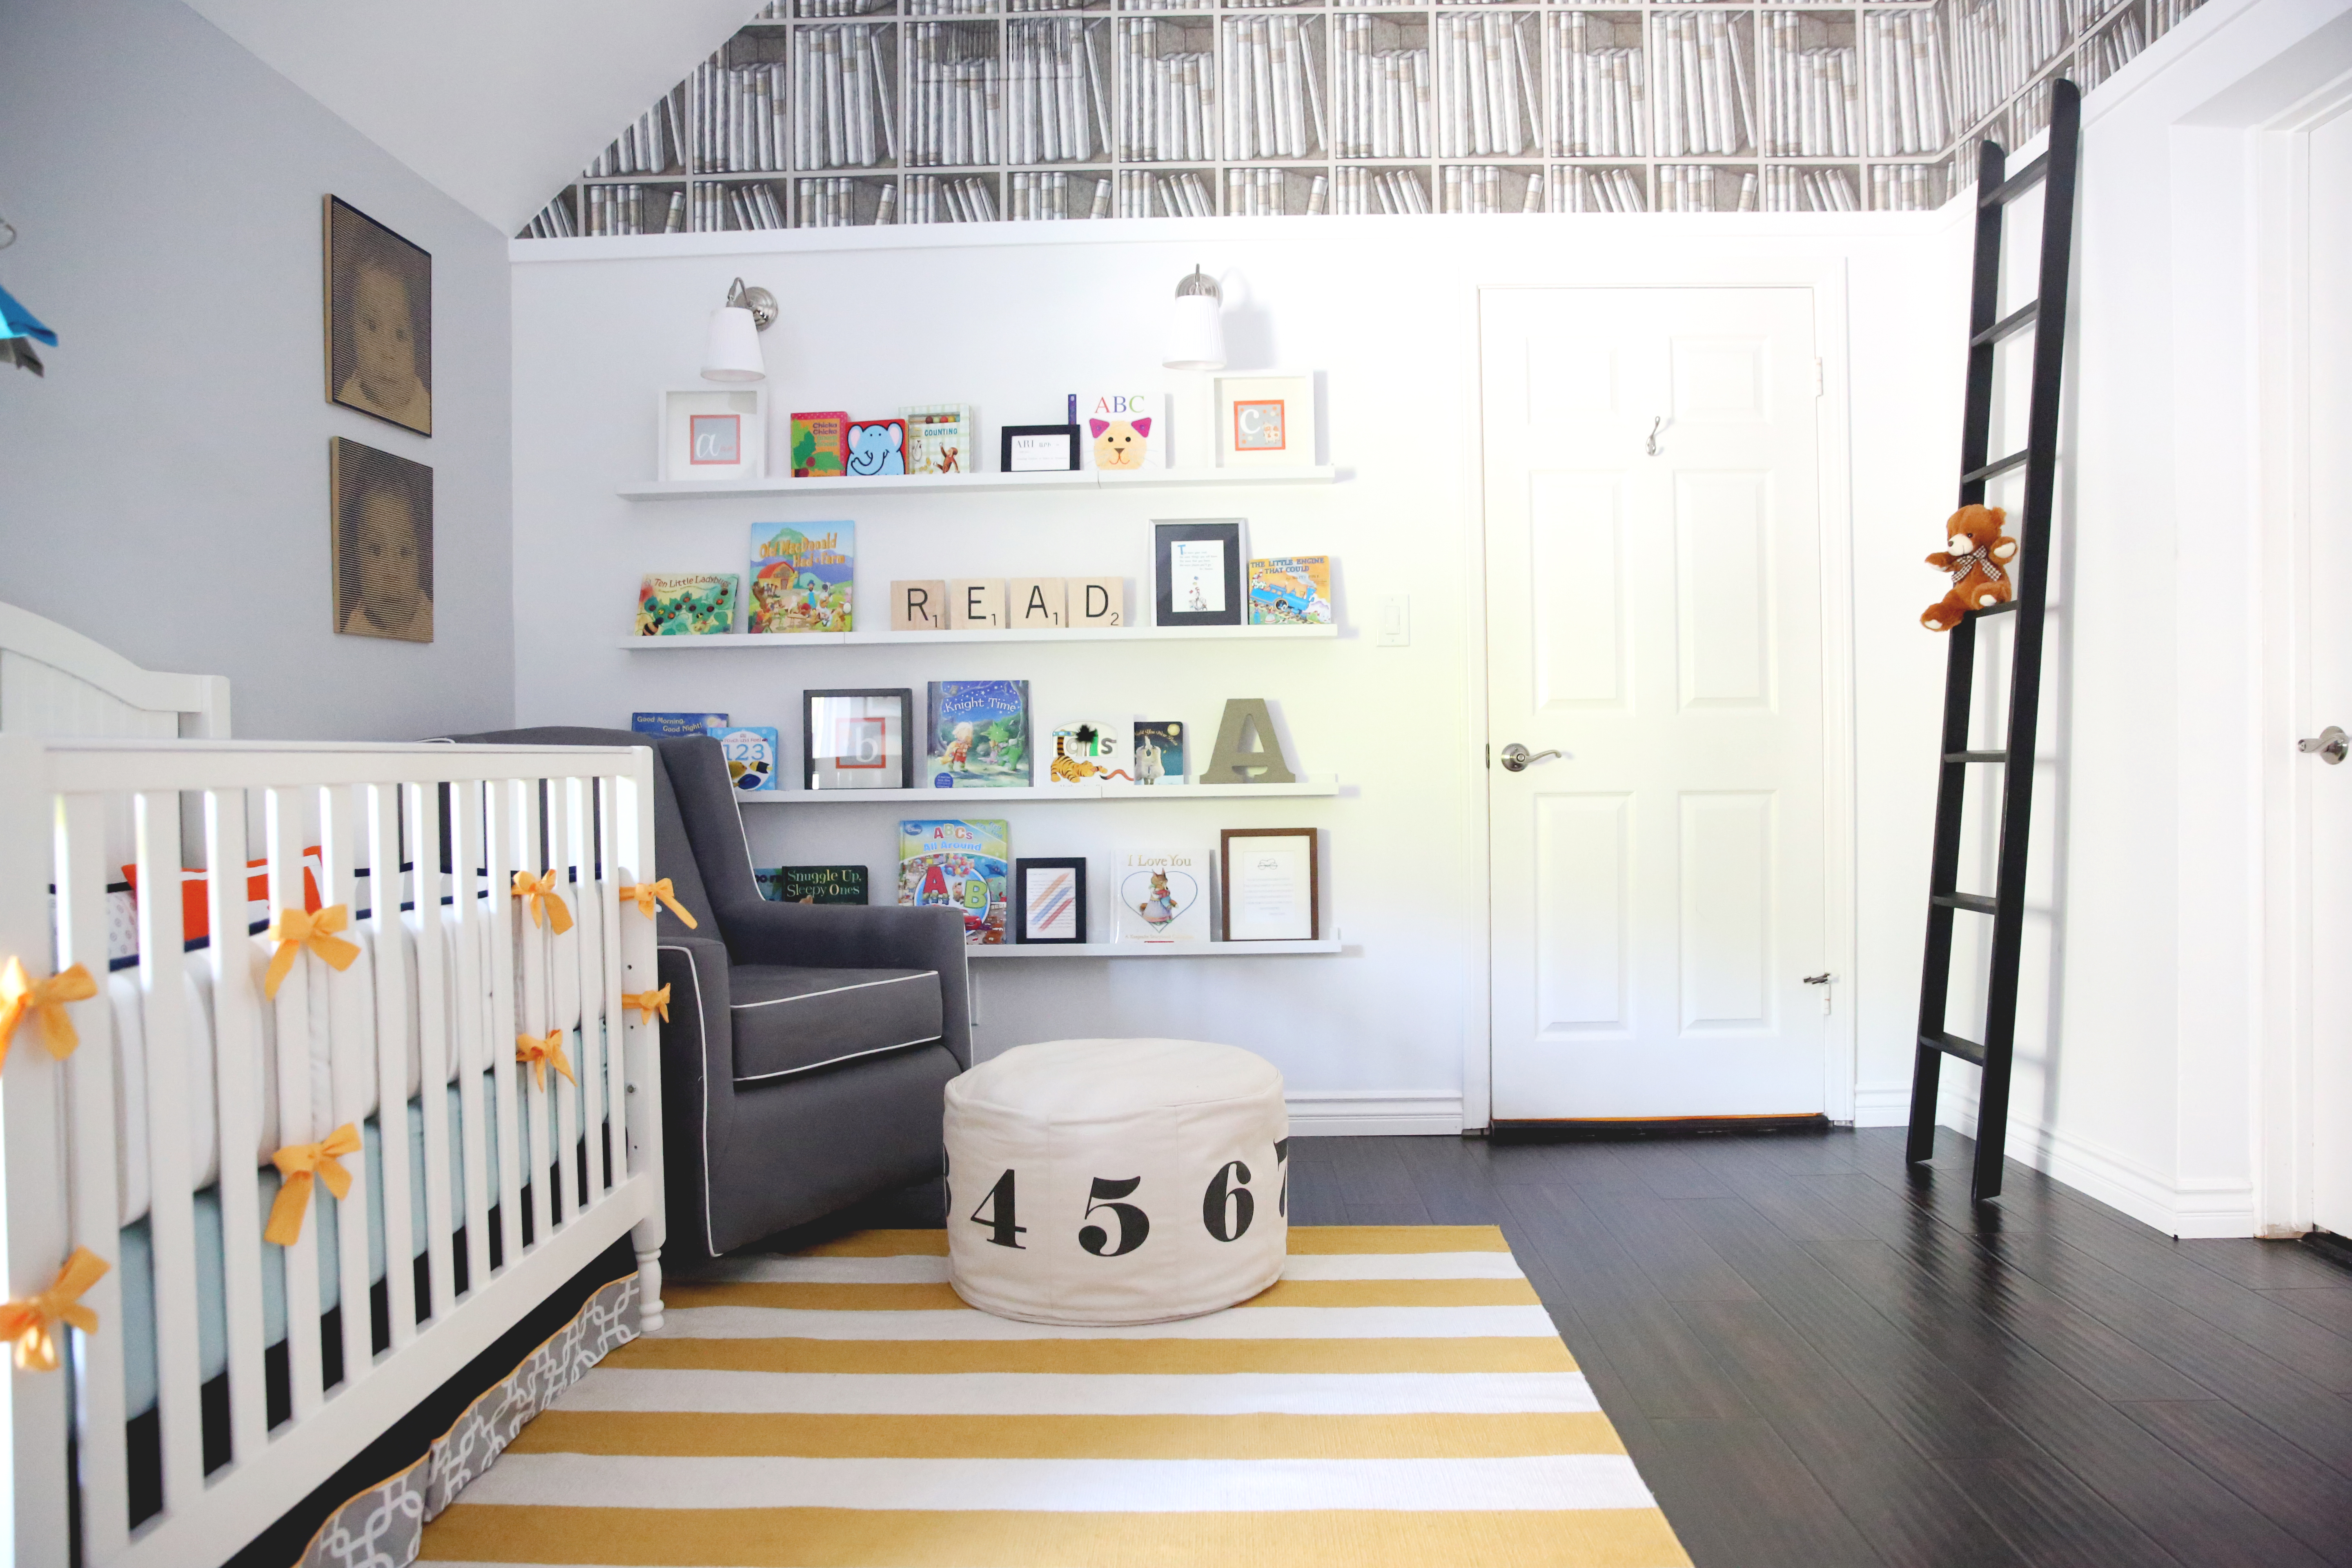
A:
(824, 113)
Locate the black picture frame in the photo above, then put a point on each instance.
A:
(379, 318)
(887, 776)
(1020, 911)
(1165, 537)
(1067, 433)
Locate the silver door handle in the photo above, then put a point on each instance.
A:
(1516, 758)
(2331, 743)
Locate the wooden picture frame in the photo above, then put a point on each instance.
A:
(1038, 448)
(835, 753)
(1186, 574)
(380, 532)
(378, 308)
(1291, 874)
(1067, 903)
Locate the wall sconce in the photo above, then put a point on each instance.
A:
(1196, 332)
(734, 352)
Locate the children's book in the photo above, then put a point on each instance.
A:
(750, 753)
(802, 582)
(686, 603)
(1290, 591)
(976, 734)
(673, 726)
(1163, 895)
(877, 446)
(1158, 752)
(941, 439)
(1089, 752)
(811, 884)
(1126, 430)
(961, 864)
(820, 446)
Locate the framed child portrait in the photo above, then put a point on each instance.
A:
(379, 290)
(856, 739)
(381, 526)
(1049, 900)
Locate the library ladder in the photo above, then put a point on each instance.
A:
(2046, 314)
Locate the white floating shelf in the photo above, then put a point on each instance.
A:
(1155, 950)
(1327, 785)
(896, 484)
(1063, 634)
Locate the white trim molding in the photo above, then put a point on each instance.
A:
(1374, 1113)
(1886, 1105)
(2192, 1208)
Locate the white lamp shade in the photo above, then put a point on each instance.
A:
(1196, 335)
(733, 353)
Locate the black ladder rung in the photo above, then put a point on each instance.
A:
(1976, 901)
(1998, 466)
(2024, 315)
(2004, 608)
(2017, 184)
(1976, 756)
(1953, 1045)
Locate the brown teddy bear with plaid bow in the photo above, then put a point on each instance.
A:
(1979, 560)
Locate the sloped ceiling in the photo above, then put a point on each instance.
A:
(497, 102)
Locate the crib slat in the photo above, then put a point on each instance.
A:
(385, 886)
(237, 1048)
(595, 936)
(634, 816)
(296, 1124)
(560, 1164)
(96, 1204)
(503, 819)
(468, 812)
(352, 1031)
(170, 1203)
(535, 971)
(622, 919)
(431, 1039)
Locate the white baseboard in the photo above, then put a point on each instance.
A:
(1885, 1106)
(1374, 1113)
(2193, 1209)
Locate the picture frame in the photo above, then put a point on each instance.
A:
(380, 529)
(1038, 448)
(378, 305)
(1279, 872)
(1049, 901)
(1265, 421)
(689, 417)
(857, 738)
(1196, 574)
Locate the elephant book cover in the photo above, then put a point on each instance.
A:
(802, 582)
(961, 865)
(976, 735)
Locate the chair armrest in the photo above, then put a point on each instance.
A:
(853, 936)
(698, 1054)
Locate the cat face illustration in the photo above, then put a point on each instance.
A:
(1118, 442)
(878, 449)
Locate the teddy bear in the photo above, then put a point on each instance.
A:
(1978, 562)
(1118, 442)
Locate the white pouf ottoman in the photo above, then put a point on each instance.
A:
(1116, 1180)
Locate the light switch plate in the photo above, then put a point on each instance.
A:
(1396, 620)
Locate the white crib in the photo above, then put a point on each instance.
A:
(431, 1011)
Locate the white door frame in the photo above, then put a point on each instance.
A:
(2284, 1162)
(1826, 278)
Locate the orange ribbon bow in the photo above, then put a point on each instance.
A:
(539, 893)
(295, 929)
(648, 1004)
(32, 1323)
(302, 1165)
(646, 892)
(21, 994)
(543, 1054)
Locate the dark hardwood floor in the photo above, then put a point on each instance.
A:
(1820, 1358)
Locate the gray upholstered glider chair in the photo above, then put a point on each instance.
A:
(807, 1044)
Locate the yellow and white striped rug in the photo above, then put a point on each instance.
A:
(1399, 1398)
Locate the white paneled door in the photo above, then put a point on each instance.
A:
(2329, 356)
(1653, 618)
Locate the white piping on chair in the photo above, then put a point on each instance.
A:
(709, 1238)
(810, 996)
(837, 1061)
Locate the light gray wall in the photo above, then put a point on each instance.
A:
(165, 489)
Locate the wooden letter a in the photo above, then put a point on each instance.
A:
(1263, 763)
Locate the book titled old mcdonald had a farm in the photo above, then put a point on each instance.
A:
(802, 582)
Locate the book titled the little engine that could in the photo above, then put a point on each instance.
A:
(802, 582)
(686, 603)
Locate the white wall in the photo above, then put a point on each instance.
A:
(1011, 319)
(164, 489)
(2140, 1060)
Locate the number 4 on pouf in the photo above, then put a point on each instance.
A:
(1226, 1208)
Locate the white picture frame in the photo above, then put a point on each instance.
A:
(691, 449)
(1245, 438)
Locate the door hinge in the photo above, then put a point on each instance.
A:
(1820, 386)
